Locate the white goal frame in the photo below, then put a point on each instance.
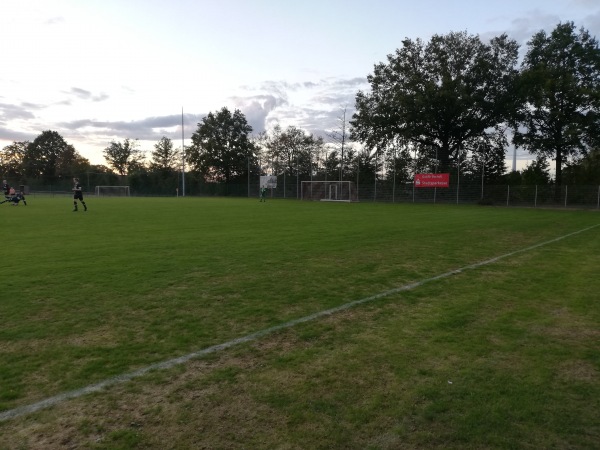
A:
(112, 191)
(329, 191)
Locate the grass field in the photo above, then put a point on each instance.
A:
(501, 356)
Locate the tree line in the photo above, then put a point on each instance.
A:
(453, 104)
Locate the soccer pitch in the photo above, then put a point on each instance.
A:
(329, 325)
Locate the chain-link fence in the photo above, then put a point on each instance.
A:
(499, 195)
(382, 191)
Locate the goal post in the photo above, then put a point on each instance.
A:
(112, 191)
(329, 191)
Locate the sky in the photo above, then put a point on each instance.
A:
(98, 71)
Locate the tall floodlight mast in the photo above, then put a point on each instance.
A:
(182, 158)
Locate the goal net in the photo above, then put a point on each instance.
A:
(112, 191)
(329, 191)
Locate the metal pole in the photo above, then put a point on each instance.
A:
(311, 171)
(358, 178)
(375, 190)
(535, 201)
(482, 174)
(182, 158)
(436, 169)
(458, 178)
(249, 177)
(566, 192)
(598, 205)
(394, 185)
(508, 195)
(414, 175)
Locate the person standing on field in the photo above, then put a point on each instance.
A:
(6, 188)
(77, 195)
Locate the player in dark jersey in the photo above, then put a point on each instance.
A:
(13, 198)
(6, 188)
(77, 195)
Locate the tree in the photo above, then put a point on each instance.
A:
(11, 159)
(537, 172)
(440, 97)
(294, 151)
(367, 165)
(260, 142)
(123, 157)
(50, 158)
(559, 88)
(341, 136)
(487, 159)
(585, 170)
(164, 157)
(221, 149)
(398, 163)
(332, 163)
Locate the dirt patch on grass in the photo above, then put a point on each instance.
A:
(578, 370)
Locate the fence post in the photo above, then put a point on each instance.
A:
(598, 204)
(566, 192)
(457, 190)
(535, 201)
(508, 195)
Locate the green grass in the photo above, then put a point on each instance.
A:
(502, 356)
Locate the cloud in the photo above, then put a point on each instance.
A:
(523, 29)
(592, 23)
(147, 129)
(257, 108)
(10, 112)
(9, 134)
(81, 93)
(86, 95)
(314, 106)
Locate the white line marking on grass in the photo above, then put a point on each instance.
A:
(51, 401)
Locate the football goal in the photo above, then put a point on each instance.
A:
(329, 191)
(112, 191)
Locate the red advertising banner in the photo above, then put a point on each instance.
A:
(432, 180)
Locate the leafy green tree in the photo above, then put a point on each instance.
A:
(559, 87)
(584, 171)
(49, 158)
(260, 142)
(164, 158)
(347, 164)
(537, 172)
(11, 159)
(440, 97)
(331, 164)
(364, 167)
(294, 150)
(487, 159)
(221, 149)
(398, 164)
(76, 166)
(123, 157)
(512, 178)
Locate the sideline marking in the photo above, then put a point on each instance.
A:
(51, 401)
